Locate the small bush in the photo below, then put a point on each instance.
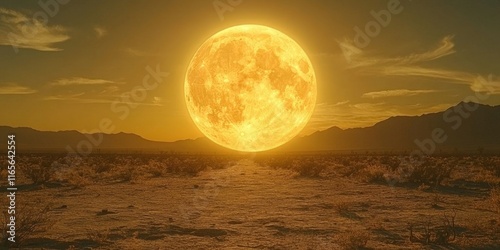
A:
(439, 235)
(126, 173)
(353, 240)
(492, 164)
(98, 236)
(342, 208)
(430, 171)
(156, 169)
(495, 199)
(78, 180)
(373, 174)
(37, 173)
(310, 167)
(102, 168)
(29, 220)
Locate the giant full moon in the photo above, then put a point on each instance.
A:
(250, 88)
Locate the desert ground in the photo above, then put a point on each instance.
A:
(286, 201)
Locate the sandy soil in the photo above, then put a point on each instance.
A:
(248, 206)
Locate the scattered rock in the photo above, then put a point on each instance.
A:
(105, 212)
(209, 232)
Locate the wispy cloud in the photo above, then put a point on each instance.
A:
(20, 31)
(15, 89)
(358, 58)
(491, 84)
(449, 75)
(410, 65)
(80, 81)
(85, 98)
(397, 92)
(100, 31)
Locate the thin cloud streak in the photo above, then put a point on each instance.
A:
(80, 81)
(357, 58)
(451, 76)
(20, 31)
(397, 92)
(15, 89)
(408, 65)
(76, 99)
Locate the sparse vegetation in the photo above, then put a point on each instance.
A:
(361, 201)
(430, 171)
(495, 199)
(308, 167)
(30, 220)
(440, 235)
(342, 208)
(39, 170)
(100, 237)
(353, 239)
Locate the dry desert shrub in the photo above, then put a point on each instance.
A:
(78, 179)
(491, 163)
(304, 166)
(39, 170)
(101, 168)
(430, 171)
(310, 167)
(100, 237)
(495, 199)
(353, 239)
(432, 234)
(354, 169)
(342, 208)
(157, 168)
(373, 174)
(125, 173)
(194, 164)
(29, 221)
(392, 162)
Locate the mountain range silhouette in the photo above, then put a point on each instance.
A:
(465, 126)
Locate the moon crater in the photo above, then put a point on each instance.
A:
(250, 88)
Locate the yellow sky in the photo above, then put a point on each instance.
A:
(85, 63)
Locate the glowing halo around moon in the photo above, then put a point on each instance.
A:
(250, 88)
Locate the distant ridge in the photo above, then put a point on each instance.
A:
(33, 140)
(463, 129)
